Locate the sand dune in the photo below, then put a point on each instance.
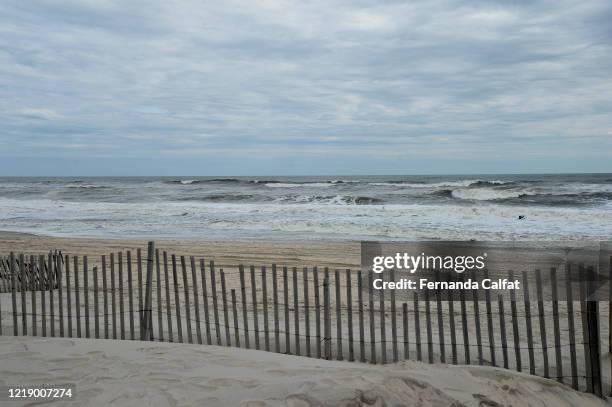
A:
(130, 373)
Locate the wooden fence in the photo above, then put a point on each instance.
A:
(313, 312)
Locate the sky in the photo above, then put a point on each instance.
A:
(100, 87)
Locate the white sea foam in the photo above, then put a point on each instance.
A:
(489, 194)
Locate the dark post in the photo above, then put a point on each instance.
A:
(593, 327)
(372, 322)
(428, 328)
(585, 328)
(77, 292)
(14, 293)
(139, 277)
(213, 288)
(121, 304)
(33, 293)
(405, 331)
(417, 327)
(147, 321)
(58, 269)
(477, 320)
(453, 332)
(51, 282)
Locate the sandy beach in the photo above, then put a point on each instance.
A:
(163, 374)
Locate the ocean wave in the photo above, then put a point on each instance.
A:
(444, 184)
(297, 185)
(488, 194)
(330, 199)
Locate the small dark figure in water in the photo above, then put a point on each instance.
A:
(521, 217)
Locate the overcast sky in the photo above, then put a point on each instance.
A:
(94, 87)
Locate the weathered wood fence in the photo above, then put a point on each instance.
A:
(313, 312)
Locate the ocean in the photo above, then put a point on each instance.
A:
(456, 207)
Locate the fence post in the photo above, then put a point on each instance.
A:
(187, 303)
(372, 328)
(196, 303)
(96, 304)
(570, 324)
(113, 296)
(255, 317)
(159, 297)
(339, 355)
(14, 293)
(130, 294)
(542, 322)
(349, 304)
(440, 321)
(315, 275)
(104, 289)
(147, 332)
(264, 303)
(24, 313)
(490, 321)
(326, 319)
(528, 322)
(515, 328)
(177, 300)
(205, 301)
(33, 293)
(362, 357)
(296, 315)
(228, 339)
(245, 319)
(275, 301)
(593, 327)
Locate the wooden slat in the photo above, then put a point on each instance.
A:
(168, 299)
(245, 318)
(306, 313)
(254, 304)
(326, 318)
(51, 282)
(96, 304)
(542, 320)
(296, 314)
(287, 320)
(362, 355)
(556, 328)
(585, 329)
(349, 304)
(515, 327)
(393, 321)
(23, 289)
(77, 292)
(213, 289)
(417, 327)
(147, 320)
(60, 291)
(276, 315)
(177, 301)
(476, 301)
(405, 331)
(121, 299)
(160, 319)
(528, 323)
(464, 325)
(196, 301)
(187, 301)
(570, 323)
(130, 295)
(205, 302)
(43, 290)
(372, 322)
(104, 290)
(139, 277)
(453, 332)
(339, 355)
(428, 329)
(33, 297)
(113, 294)
(594, 334)
(317, 304)
(490, 327)
(264, 303)
(235, 318)
(228, 340)
(440, 314)
(502, 327)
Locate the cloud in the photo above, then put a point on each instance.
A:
(361, 78)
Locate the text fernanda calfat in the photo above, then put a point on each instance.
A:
(469, 284)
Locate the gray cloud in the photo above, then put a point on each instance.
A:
(445, 78)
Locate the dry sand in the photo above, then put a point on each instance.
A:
(224, 253)
(162, 374)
